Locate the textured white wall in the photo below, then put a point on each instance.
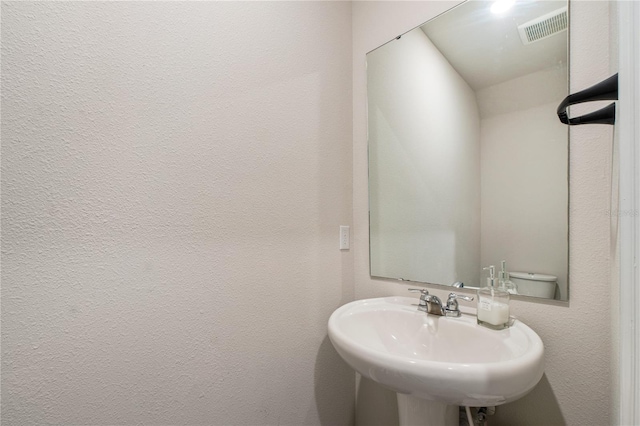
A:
(576, 388)
(173, 179)
(409, 238)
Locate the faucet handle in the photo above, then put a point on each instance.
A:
(453, 297)
(423, 293)
(452, 309)
(458, 284)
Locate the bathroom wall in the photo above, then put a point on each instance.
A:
(576, 387)
(409, 238)
(524, 175)
(173, 178)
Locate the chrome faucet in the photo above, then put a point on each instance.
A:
(432, 304)
(429, 303)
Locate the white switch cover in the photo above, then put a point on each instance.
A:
(344, 237)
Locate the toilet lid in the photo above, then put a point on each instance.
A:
(532, 276)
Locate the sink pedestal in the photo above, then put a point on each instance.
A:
(414, 411)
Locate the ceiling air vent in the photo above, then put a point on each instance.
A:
(544, 26)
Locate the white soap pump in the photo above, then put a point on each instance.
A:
(493, 303)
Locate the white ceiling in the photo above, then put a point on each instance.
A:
(486, 48)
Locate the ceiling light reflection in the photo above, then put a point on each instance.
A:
(501, 6)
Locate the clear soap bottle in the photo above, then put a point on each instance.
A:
(493, 303)
(504, 283)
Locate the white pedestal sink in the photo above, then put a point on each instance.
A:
(435, 363)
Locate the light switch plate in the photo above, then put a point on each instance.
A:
(344, 237)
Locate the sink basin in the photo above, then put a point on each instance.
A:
(453, 361)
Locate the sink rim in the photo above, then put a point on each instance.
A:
(537, 344)
(526, 368)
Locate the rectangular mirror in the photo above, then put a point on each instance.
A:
(468, 162)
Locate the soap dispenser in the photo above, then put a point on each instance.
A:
(493, 303)
(504, 283)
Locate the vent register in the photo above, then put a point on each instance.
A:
(543, 26)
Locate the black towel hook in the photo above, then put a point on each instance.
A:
(605, 90)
